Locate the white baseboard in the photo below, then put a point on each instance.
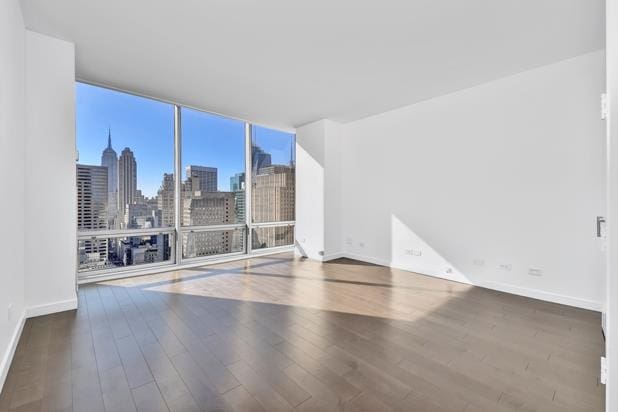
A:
(332, 256)
(367, 259)
(30, 312)
(7, 357)
(542, 295)
(46, 309)
(502, 287)
(433, 272)
(425, 271)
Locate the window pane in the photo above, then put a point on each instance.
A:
(209, 243)
(273, 169)
(213, 158)
(123, 251)
(272, 236)
(126, 160)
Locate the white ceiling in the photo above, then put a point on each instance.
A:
(289, 62)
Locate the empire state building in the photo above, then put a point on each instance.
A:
(109, 159)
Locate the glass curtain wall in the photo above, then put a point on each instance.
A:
(213, 185)
(125, 192)
(273, 168)
(134, 211)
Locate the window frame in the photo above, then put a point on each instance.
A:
(178, 230)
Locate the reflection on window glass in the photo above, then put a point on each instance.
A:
(272, 236)
(126, 159)
(209, 243)
(273, 169)
(117, 252)
(213, 158)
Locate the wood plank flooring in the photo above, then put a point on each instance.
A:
(279, 333)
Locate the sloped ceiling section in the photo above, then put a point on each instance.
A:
(286, 63)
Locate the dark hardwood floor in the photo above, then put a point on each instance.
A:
(279, 333)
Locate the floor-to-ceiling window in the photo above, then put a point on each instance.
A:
(272, 190)
(160, 184)
(213, 185)
(124, 180)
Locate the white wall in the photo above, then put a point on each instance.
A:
(37, 169)
(309, 230)
(333, 225)
(12, 136)
(509, 172)
(318, 184)
(50, 175)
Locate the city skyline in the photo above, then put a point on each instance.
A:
(113, 161)
(105, 203)
(147, 127)
(128, 183)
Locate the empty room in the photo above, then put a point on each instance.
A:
(395, 205)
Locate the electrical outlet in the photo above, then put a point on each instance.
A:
(478, 262)
(361, 244)
(535, 271)
(348, 241)
(413, 252)
(505, 266)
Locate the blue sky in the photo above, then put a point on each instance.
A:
(147, 128)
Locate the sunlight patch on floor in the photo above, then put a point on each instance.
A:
(344, 286)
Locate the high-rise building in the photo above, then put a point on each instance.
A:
(237, 182)
(91, 197)
(165, 200)
(273, 194)
(139, 216)
(201, 179)
(109, 159)
(137, 250)
(273, 200)
(127, 180)
(139, 197)
(237, 185)
(259, 159)
(209, 209)
(92, 213)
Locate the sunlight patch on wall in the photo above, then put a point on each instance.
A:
(411, 252)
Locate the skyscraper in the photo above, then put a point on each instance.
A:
(273, 194)
(237, 182)
(92, 197)
(259, 159)
(139, 216)
(109, 159)
(273, 200)
(201, 179)
(92, 213)
(237, 185)
(127, 180)
(165, 200)
(208, 209)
